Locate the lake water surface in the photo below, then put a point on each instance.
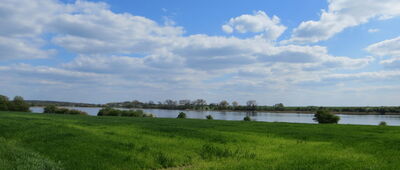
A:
(393, 120)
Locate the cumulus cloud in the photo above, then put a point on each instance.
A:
(18, 48)
(342, 14)
(102, 31)
(393, 63)
(123, 53)
(259, 22)
(21, 24)
(389, 47)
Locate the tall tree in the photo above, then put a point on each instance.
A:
(279, 107)
(170, 102)
(184, 102)
(235, 104)
(200, 102)
(223, 104)
(252, 104)
(19, 104)
(4, 103)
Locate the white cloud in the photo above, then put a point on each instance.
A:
(132, 55)
(165, 46)
(365, 76)
(373, 30)
(26, 18)
(103, 31)
(389, 47)
(21, 24)
(393, 63)
(342, 14)
(19, 48)
(259, 22)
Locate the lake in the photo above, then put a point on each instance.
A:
(393, 120)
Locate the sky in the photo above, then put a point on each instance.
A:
(296, 52)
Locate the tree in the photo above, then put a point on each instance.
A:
(279, 107)
(170, 102)
(181, 115)
(247, 118)
(223, 104)
(235, 104)
(184, 102)
(324, 116)
(18, 104)
(137, 103)
(151, 103)
(4, 103)
(200, 102)
(50, 109)
(252, 104)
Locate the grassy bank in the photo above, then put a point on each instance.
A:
(43, 141)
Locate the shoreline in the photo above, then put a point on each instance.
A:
(293, 112)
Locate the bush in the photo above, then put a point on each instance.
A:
(52, 109)
(76, 112)
(18, 104)
(4, 102)
(383, 123)
(149, 115)
(209, 117)
(247, 118)
(108, 111)
(181, 115)
(324, 116)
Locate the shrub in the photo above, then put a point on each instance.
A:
(50, 109)
(209, 117)
(247, 118)
(324, 116)
(149, 115)
(18, 104)
(104, 111)
(108, 111)
(383, 123)
(76, 112)
(182, 115)
(4, 102)
(61, 111)
(55, 110)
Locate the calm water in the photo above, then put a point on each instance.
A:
(393, 120)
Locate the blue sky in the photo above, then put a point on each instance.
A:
(335, 52)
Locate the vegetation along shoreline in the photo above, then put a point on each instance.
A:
(250, 106)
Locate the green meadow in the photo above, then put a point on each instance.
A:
(48, 141)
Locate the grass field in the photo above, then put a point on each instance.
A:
(43, 141)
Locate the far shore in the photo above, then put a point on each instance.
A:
(294, 112)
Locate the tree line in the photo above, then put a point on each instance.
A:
(17, 104)
(250, 105)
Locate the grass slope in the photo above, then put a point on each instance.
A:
(42, 141)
